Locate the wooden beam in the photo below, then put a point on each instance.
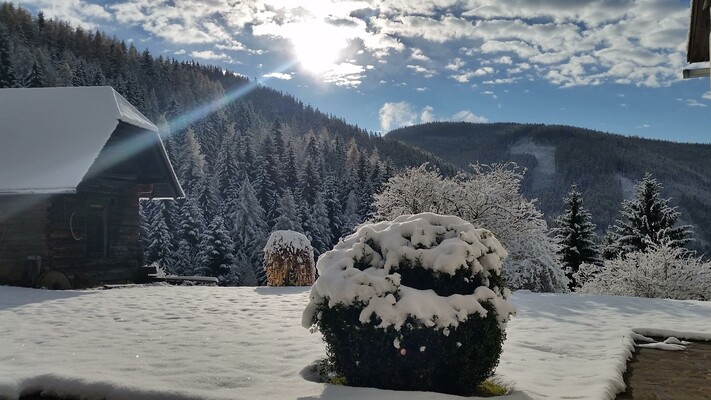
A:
(697, 73)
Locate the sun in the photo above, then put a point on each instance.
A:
(317, 46)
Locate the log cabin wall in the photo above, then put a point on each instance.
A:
(23, 222)
(93, 235)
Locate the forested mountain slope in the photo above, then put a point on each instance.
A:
(251, 159)
(604, 166)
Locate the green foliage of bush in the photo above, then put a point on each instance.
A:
(428, 359)
(417, 303)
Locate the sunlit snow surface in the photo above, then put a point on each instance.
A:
(247, 343)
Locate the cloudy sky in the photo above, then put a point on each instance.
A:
(612, 65)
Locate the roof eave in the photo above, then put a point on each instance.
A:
(38, 191)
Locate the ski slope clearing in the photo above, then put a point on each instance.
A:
(163, 342)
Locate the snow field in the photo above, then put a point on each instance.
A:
(163, 342)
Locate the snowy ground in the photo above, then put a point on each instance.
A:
(248, 343)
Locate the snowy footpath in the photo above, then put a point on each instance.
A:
(247, 343)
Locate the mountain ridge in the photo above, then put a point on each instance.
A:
(603, 165)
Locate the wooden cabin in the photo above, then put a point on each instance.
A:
(698, 43)
(74, 162)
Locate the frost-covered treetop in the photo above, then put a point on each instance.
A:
(290, 240)
(364, 269)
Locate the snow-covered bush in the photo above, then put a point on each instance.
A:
(661, 271)
(490, 198)
(288, 259)
(417, 303)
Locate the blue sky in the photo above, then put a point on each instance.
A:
(611, 65)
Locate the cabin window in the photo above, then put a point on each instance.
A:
(97, 232)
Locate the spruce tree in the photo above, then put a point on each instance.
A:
(648, 219)
(34, 78)
(576, 236)
(250, 229)
(216, 252)
(191, 162)
(351, 217)
(7, 72)
(207, 197)
(321, 237)
(287, 214)
(190, 230)
(160, 239)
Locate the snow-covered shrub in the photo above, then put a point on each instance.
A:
(661, 271)
(288, 259)
(490, 198)
(417, 303)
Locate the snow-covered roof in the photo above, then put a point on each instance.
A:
(50, 138)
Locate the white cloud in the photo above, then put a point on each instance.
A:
(422, 89)
(211, 55)
(417, 55)
(691, 102)
(426, 72)
(396, 115)
(277, 75)
(345, 74)
(570, 43)
(76, 12)
(707, 95)
(466, 76)
(180, 52)
(468, 116)
(427, 114)
(502, 81)
(567, 42)
(455, 64)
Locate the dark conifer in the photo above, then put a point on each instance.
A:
(576, 236)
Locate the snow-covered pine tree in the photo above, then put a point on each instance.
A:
(287, 217)
(310, 175)
(227, 166)
(160, 247)
(291, 173)
(647, 219)
(81, 77)
(333, 207)
(7, 72)
(34, 78)
(191, 162)
(351, 217)
(216, 253)
(279, 148)
(321, 237)
(250, 229)
(207, 197)
(191, 227)
(268, 175)
(576, 236)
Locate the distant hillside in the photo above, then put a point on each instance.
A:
(604, 166)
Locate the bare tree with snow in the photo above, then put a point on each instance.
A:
(489, 198)
(661, 271)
